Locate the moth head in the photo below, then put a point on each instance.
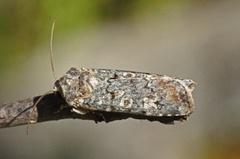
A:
(68, 85)
(75, 86)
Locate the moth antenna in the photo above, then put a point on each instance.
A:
(55, 77)
(34, 106)
(51, 49)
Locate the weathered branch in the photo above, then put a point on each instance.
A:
(54, 107)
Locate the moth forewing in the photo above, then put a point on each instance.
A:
(126, 92)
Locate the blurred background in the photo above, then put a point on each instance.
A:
(189, 39)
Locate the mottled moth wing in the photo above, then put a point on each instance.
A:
(126, 92)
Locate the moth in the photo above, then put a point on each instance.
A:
(131, 92)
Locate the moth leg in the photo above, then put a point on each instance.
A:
(100, 117)
(62, 107)
(80, 111)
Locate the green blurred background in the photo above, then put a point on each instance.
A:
(188, 39)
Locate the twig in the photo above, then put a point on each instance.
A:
(53, 107)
